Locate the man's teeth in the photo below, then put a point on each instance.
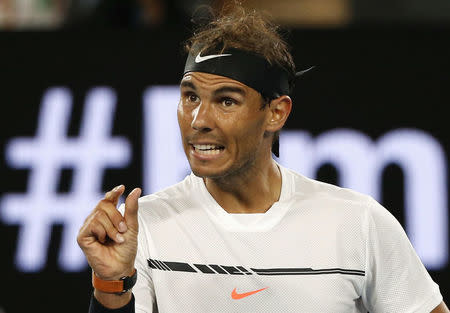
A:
(207, 149)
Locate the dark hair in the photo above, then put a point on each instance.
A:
(240, 28)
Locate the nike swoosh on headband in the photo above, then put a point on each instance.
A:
(199, 58)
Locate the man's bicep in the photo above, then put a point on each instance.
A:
(441, 308)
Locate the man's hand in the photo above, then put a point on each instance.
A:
(109, 240)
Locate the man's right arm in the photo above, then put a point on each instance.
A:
(109, 242)
(96, 307)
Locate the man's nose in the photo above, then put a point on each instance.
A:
(202, 119)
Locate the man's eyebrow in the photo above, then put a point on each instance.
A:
(225, 89)
(187, 84)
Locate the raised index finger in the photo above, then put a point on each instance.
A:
(114, 194)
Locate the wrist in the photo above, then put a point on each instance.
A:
(125, 273)
(117, 286)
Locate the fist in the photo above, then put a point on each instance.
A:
(108, 239)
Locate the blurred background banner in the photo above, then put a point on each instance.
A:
(89, 95)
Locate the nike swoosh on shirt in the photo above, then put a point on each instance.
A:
(238, 296)
(199, 58)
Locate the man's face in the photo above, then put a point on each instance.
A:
(222, 125)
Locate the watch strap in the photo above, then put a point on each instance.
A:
(114, 286)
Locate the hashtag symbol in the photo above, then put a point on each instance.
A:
(46, 155)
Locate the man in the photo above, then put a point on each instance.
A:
(242, 233)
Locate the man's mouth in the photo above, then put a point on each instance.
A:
(208, 149)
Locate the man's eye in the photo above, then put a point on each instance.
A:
(192, 98)
(228, 102)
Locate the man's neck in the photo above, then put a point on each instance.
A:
(255, 191)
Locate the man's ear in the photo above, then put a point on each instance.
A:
(280, 108)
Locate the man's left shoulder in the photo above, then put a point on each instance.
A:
(326, 193)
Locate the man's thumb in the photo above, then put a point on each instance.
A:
(131, 208)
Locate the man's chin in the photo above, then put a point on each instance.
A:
(204, 173)
(208, 172)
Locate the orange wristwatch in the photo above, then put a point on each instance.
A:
(114, 286)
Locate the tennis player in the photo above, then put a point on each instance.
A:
(242, 233)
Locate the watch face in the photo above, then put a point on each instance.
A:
(129, 281)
